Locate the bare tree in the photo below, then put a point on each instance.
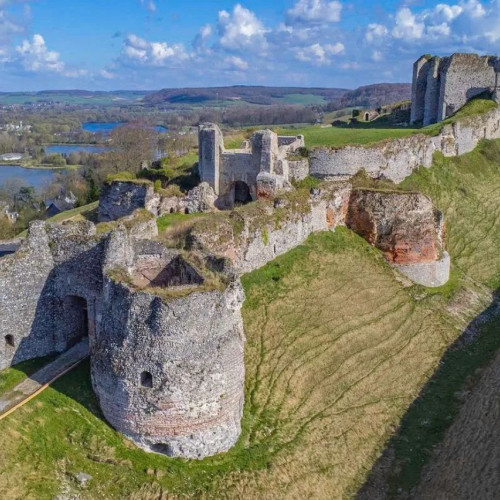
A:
(131, 145)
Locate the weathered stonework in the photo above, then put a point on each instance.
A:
(190, 346)
(441, 86)
(406, 228)
(230, 172)
(121, 198)
(396, 159)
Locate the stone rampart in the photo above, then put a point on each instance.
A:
(252, 239)
(396, 159)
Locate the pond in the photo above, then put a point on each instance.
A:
(66, 149)
(106, 127)
(38, 178)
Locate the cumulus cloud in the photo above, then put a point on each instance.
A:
(376, 32)
(317, 54)
(241, 29)
(33, 55)
(407, 26)
(140, 51)
(314, 12)
(234, 63)
(148, 4)
(203, 35)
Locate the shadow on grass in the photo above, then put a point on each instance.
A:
(423, 427)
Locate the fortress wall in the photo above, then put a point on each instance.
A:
(55, 263)
(393, 159)
(238, 166)
(267, 235)
(396, 159)
(25, 299)
(193, 349)
(463, 76)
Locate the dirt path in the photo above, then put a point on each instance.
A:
(39, 381)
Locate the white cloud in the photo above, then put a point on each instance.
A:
(407, 26)
(149, 4)
(35, 56)
(241, 29)
(377, 55)
(375, 32)
(317, 54)
(137, 50)
(235, 63)
(107, 74)
(315, 12)
(203, 35)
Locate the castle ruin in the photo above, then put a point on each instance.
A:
(443, 85)
(257, 170)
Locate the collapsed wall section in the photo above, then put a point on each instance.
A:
(252, 238)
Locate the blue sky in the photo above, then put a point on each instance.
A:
(151, 44)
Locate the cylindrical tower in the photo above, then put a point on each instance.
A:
(169, 373)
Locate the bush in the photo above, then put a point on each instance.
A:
(157, 186)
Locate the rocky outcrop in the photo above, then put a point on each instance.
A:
(406, 228)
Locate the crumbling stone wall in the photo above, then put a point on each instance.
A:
(396, 159)
(121, 198)
(54, 263)
(265, 153)
(252, 239)
(441, 86)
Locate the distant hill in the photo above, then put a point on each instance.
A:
(245, 94)
(79, 97)
(372, 96)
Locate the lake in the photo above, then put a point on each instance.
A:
(106, 128)
(34, 177)
(66, 149)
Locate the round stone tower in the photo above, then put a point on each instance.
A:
(167, 358)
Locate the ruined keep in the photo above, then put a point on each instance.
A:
(443, 85)
(257, 170)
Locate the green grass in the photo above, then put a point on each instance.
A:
(13, 376)
(340, 136)
(378, 130)
(169, 220)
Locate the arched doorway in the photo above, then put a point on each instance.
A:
(242, 194)
(367, 117)
(76, 320)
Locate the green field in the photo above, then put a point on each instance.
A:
(338, 347)
(90, 99)
(379, 130)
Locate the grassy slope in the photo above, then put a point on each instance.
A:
(336, 350)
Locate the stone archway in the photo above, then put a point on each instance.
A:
(242, 194)
(76, 320)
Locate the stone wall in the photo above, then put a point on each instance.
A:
(169, 374)
(406, 228)
(396, 159)
(441, 86)
(121, 198)
(54, 264)
(251, 240)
